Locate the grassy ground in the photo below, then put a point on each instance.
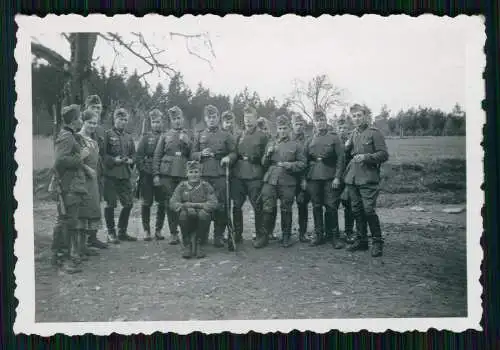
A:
(422, 274)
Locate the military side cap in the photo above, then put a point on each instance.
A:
(120, 113)
(70, 113)
(88, 114)
(250, 110)
(297, 118)
(92, 100)
(358, 107)
(174, 111)
(193, 164)
(227, 116)
(319, 114)
(211, 110)
(282, 120)
(155, 114)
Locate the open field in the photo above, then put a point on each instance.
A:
(150, 281)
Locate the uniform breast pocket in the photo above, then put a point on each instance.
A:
(289, 156)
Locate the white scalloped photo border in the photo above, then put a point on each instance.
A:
(474, 36)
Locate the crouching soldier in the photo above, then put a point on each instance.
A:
(215, 149)
(285, 159)
(248, 174)
(144, 162)
(302, 196)
(118, 154)
(325, 155)
(169, 164)
(194, 201)
(71, 185)
(345, 136)
(368, 150)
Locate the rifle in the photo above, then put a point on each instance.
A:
(231, 246)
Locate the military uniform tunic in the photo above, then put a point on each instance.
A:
(117, 176)
(247, 176)
(302, 197)
(363, 178)
(144, 162)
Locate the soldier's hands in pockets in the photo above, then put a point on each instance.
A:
(156, 180)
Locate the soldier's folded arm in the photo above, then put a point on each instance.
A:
(300, 164)
(380, 155)
(157, 155)
(65, 157)
(175, 200)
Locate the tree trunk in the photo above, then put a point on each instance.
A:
(82, 49)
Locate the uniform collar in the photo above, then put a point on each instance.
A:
(119, 132)
(68, 128)
(250, 130)
(362, 128)
(298, 136)
(284, 139)
(213, 129)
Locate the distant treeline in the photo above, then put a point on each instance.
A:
(130, 91)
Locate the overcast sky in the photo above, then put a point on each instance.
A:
(401, 61)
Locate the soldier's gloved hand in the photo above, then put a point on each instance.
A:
(225, 161)
(270, 150)
(156, 180)
(359, 158)
(336, 183)
(129, 161)
(303, 185)
(183, 137)
(118, 159)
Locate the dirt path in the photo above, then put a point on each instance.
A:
(422, 274)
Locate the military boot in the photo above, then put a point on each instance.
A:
(238, 224)
(332, 227)
(348, 224)
(86, 251)
(146, 217)
(123, 224)
(272, 225)
(303, 218)
(361, 240)
(262, 238)
(199, 251)
(219, 228)
(94, 242)
(109, 216)
(173, 223)
(75, 251)
(160, 220)
(377, 242)
(286, 225)
(318, 226)
(70, 266)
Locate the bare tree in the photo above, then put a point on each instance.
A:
(318, 94)
(79, 66)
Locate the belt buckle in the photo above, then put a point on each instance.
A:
(245, 158)
(319, 159)
(178, 154)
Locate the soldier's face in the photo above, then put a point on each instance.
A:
(227, 124)
(298, 127)
(121, 122)
(250, 121)
(177, 121)
(97, 109)
(156, 124)
(358, 118)
(193, 175)
(320, 123)
(77, 123)
(90, 125)
(212, 120)
(283, 131)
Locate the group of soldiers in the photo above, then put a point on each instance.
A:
(187, 175)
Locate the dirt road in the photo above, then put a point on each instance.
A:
(422, 274)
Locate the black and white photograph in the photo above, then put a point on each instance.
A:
(248, 173)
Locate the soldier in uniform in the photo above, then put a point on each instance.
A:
(144, 162)
(93, 103)
(118, 157)
(345, 135)
(228, 124)
(263, 125)
(169, 164)
(71, 183)
(194, 201)
(325, 155)
(248, 173)
(368, 150)
(285, 159)
(215, 149)
(301, 193)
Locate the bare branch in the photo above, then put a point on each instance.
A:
(50, 56)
